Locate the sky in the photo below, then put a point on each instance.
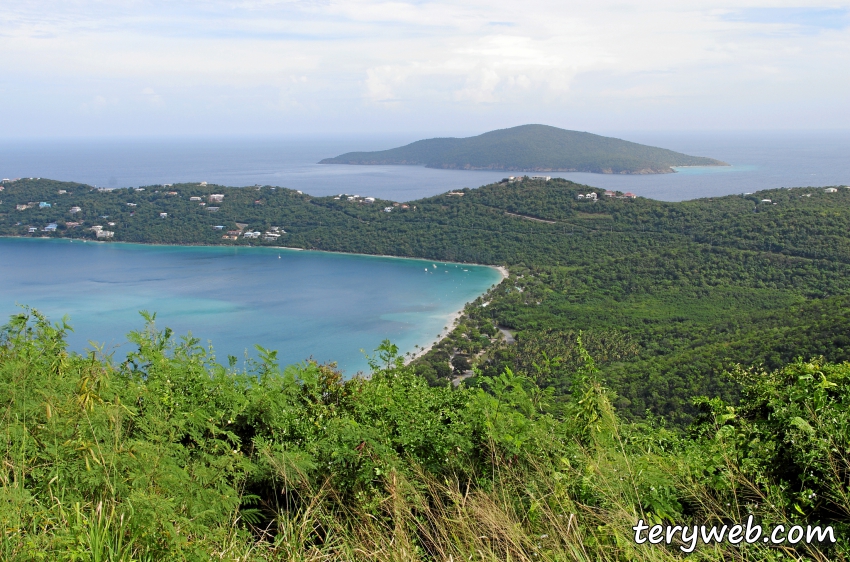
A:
(301, 67)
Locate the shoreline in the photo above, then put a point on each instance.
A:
(451, 319)
(501, 269)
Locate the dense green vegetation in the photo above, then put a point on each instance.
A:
(669, 295)
(166, 455)
(622, 398)
(532, 148)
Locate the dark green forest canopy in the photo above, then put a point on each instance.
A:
(669, 295)
(532, 148)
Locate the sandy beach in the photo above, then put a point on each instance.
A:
(451, 322)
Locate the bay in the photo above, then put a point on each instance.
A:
(760, 160)
(304, 304)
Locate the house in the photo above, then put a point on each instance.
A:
(213, 209)
(61, 191)
(96, 228)
(219, 227)
(609, 193)
(215, 197)
(72, 224)
(405, 206)
(140, 189)
(543, 178)
(456, 193)
(254, 234)
(580, 196)
(105, 234)
(50, 227)
(234, 232)
(352, 198)
(830, 190)
(74, 210)
(275, 229)
(131, 204)
(194, 198)
(369, 200)
(765, 201)
(629, 195)
(163, 215)
(44, 205)
(230, 237)
(33, 229)
(171, 193)
(388, 209)
(299, 192)
(21, 207)
(111, 224)
(203, 184)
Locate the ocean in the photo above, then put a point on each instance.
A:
(760, 160)
(304, 304)
(308, 304)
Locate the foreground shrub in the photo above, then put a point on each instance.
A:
(167, 455)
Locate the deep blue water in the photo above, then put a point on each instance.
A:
(328, 306)
(759, 161)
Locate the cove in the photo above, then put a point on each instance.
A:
(302, 303)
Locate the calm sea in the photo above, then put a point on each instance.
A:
(311, 304)
(303, 304)
(759, 161)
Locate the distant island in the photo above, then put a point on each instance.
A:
(531, 148)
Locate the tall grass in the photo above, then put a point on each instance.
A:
(169, 456)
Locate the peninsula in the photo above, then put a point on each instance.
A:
(678, 292)
(531, 148)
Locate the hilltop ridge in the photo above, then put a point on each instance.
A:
(531, 148)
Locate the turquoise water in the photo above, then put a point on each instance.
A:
(303, 304)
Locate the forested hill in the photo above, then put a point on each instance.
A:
(532, 148)
(669, 295)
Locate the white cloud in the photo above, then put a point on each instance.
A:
(253, 65)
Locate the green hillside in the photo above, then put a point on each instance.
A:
(680, 364)
(669, 295)
(532, 148)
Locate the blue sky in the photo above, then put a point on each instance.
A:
(151, 67)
